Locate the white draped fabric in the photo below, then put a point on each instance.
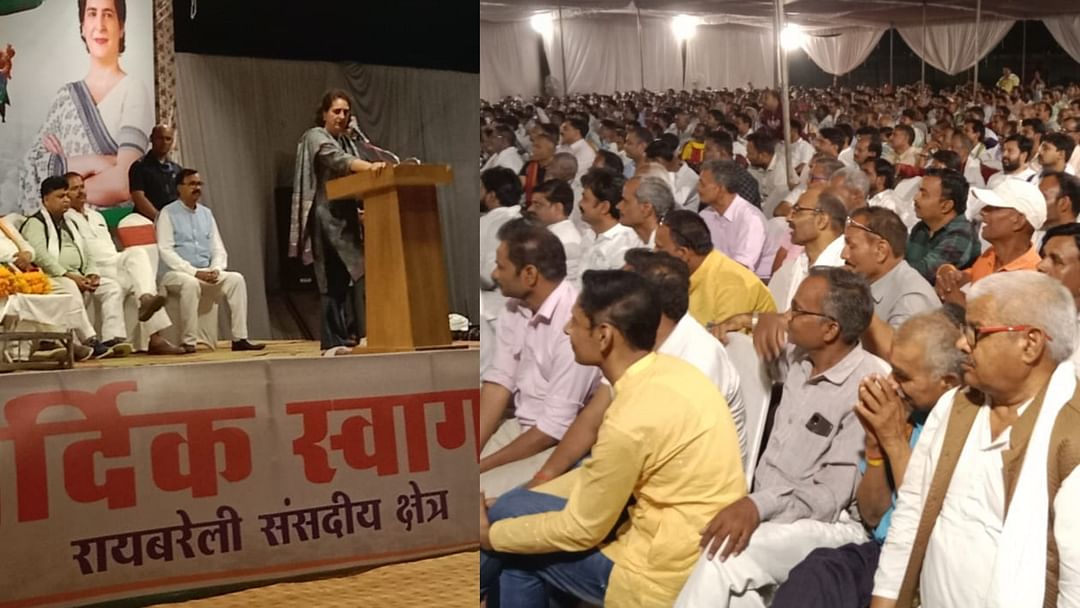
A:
(663, 58)
(842, 53)
(509, 59)
(1066, 30)
(951, 47)
(602, 54)
(730, 56)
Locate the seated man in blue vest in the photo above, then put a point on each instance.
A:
(195, 260)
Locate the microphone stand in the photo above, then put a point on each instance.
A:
(381, 153)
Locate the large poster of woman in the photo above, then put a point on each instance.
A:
(78, 77)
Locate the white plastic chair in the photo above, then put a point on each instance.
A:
(756, 388)
(15, 220)
(136, 230)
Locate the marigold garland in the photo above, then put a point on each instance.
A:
(14, 281)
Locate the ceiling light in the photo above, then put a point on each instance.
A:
(793, 37)
(542, 24)
(684, 26)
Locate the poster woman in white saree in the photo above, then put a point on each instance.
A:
(97, 126)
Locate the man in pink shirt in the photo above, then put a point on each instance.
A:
(737, 227)
(533, 367)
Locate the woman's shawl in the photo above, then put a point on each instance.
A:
(307, 188)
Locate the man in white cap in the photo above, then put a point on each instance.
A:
(1011, 213)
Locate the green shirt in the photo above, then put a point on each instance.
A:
(72, 257)
(955, 243)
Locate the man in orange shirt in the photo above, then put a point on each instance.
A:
(1011, 214)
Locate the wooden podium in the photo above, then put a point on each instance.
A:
(407, 306)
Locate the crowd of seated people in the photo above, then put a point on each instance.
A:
(902, 426)
(121, 279)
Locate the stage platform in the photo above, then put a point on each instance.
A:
(275, 349)
(149, 479)
(452, 581)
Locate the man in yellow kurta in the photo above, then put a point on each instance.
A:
(720, 287)
(667, 441)
(1008, 80)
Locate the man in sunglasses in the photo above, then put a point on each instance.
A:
(989, 510)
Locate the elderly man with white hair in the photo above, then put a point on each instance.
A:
(989, 510)
(851, 185)
(644, 201)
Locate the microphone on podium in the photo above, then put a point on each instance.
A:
(356, 133)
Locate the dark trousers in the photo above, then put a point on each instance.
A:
(342, 305)
(831, 578)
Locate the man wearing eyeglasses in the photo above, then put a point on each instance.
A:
(501, 144)
(925, 364)
(989, 510)
(805, 482)
(817, 224)
(875, 241)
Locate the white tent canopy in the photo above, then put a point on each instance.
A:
(614, 45)
(807, 13)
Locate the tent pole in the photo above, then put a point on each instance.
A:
(641, 46)
(785, 96)
(975, 80)
(684, 45)
(776, 58)
(562, 53)
(922, 55)
(891, 29)
(1023, 54)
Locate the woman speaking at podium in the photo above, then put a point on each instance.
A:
(329, 233)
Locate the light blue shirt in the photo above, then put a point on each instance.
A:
(188, 239)
(883, 526)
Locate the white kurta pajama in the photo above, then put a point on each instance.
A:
(132, 269)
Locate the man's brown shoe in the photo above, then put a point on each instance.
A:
(161, 346)
(149, 304)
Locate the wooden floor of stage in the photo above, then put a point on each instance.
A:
(275, 349)
(452, 581)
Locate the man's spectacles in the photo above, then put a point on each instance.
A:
(973, 334)
(854, 224)
(797, 312)
(796, 209)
